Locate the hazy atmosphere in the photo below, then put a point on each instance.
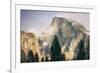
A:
(54, 36)
(32, 20)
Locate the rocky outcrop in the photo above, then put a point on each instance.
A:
(73, 38)
(68, 40)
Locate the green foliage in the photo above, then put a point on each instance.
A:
(55, 49)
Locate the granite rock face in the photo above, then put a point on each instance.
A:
(67, 40)
(73, 38)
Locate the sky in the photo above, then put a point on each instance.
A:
(35, 21)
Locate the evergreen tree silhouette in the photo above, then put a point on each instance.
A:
(81, 53)
(88, 49)
(47, 58)
(22, 56)
(55, 49)
(36, 58)
(62, 57)
(42, 59)
(31, 56)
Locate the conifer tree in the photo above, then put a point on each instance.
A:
(55, 49)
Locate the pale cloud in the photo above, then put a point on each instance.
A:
(39, 21)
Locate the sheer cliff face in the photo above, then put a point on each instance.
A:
(73, 38)
(65, 40)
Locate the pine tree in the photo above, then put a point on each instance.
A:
(55, 49)
(22, 56)
(81, 53)
(36, 58)
(31, 56)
